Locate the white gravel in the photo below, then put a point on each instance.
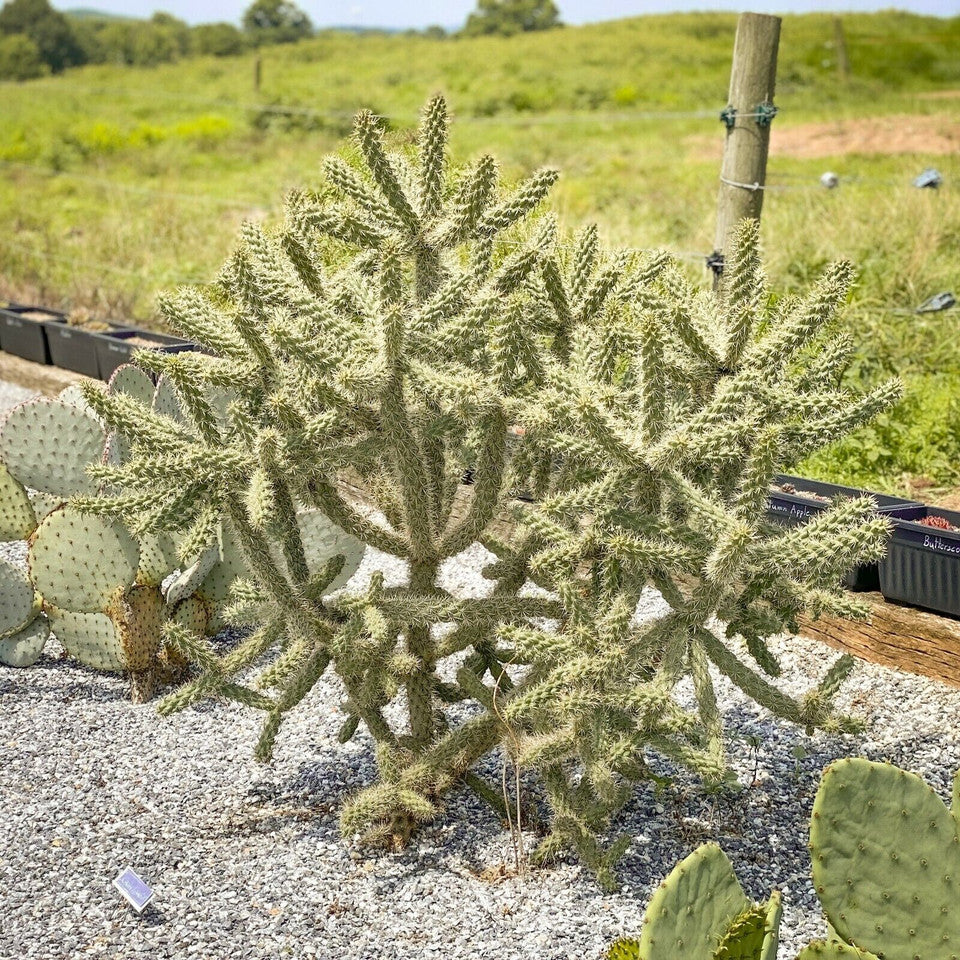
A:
(247, 860)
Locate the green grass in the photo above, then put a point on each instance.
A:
(115, 182)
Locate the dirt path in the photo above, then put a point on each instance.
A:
(900, 133)
(26, 378)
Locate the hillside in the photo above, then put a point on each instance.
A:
(117, 181)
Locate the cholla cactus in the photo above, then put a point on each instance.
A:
(410, 322)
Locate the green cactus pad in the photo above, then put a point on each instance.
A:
(91, 638)
(692, 910)
(18, 604)
(23, 649)
(624, 950)
(166, 401)
(48, 445)
(73, 395)
(158, 559)
(886, 861)
(138, 615)
(78, 561)
(193, 614)
(43, 504)
(133, 382)
(17, 519)
(230, 565)
(189, 579)
(323, 539)
(771, 928)
(825, 950)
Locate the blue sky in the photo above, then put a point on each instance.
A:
(421, 13)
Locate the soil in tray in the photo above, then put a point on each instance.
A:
(37, 315)
(144, 342)
(793, 491)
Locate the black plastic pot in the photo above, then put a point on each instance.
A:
(25, 336)
(115, 348)
(75, 348)
(792, 509)
(922, 566)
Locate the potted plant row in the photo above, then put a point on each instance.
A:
(78, 341)
(22, 330)
(795, 500)
(922, 566)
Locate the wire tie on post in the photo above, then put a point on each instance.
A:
(743, 186)
(729, 117)
(715, 263)
(764, 113)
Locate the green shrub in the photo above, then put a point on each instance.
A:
(20, 58)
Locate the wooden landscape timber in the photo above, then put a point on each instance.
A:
(895, 636)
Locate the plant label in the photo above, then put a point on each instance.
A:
(133, 889)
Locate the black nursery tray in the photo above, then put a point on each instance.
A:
(74, 347)
(23, 331)
(117, 348)
(793, 509)
(922, 566)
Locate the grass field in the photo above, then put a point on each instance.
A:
(115, 182)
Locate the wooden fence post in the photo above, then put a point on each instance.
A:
(840, 43)
(748, 117)
(257, 71)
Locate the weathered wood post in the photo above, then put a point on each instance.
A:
(257, 70)
(748, 117)
(840, 43)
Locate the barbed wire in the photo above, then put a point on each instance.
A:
(935, 304)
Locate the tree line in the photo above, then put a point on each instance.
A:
(35, 39)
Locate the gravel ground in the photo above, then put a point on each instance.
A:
(247, 861)
(11, 395)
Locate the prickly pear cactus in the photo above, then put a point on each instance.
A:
(18, 602)
(886, 861)
(700, 912)
(89, 579)
(833, 950)
(79, 562)
(17, 517)
(23, 648)
(47, 445)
